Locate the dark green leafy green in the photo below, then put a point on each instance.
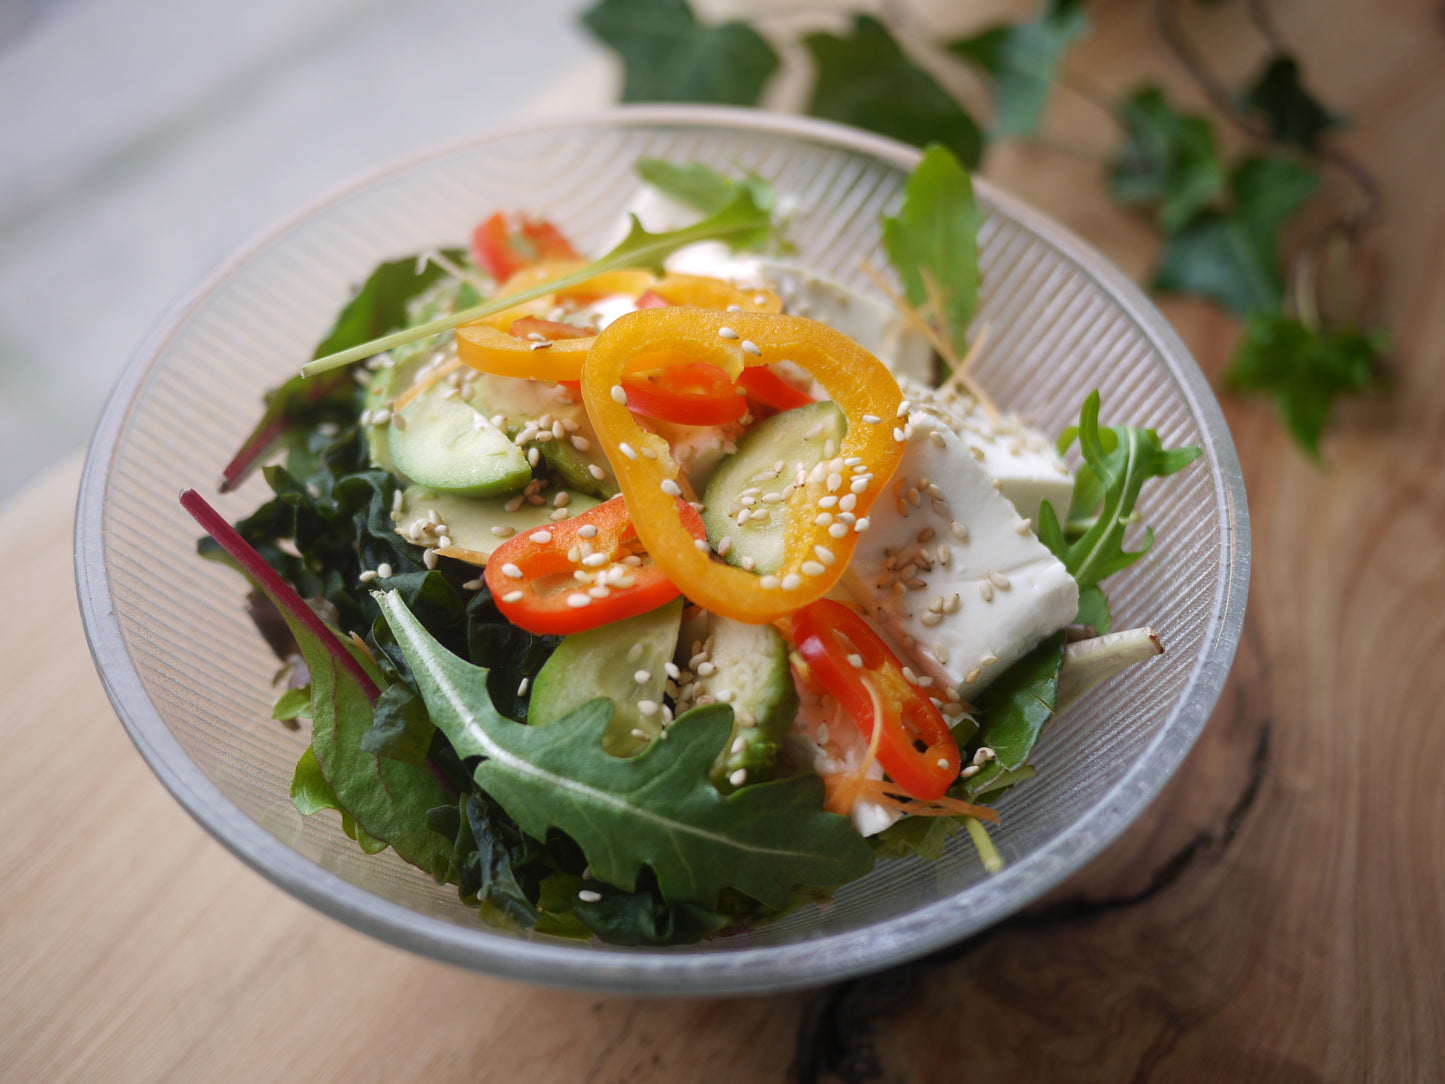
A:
(1304, 370)
(400, 727)
(1230, 255)
(1019, 702)
(933, 244)
(670, 56)
(656, 810)
(1022, 60)
(1168, 161)
(866, 79)
(1120, 460)
(741, 220)
(1293, 114)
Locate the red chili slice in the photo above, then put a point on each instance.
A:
(504, 244)
(692, 394)
(916, 748)
(532, 575)
(767, 388)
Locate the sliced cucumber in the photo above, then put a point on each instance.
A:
(798, 440)
(749, 670)
(606, 662)
(445, 444)
(473, 522)
(526, 403)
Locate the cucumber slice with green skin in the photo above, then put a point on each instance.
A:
(749, 670)
(799, 439)
(606, 662)
(471, 520)
(524, 403)
(445, 444)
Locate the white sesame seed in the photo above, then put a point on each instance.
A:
(600, 591)
(792, 581)
(540, 346)
(824, 554)
(855, 660)
(872, 419)
(700, 544)
(587, 530)
(579, 599)
(931, 619)
(898, 435)
(562, 499)
(429, 558)
(596, 471)
(383, 571)
(727, 333)
(988, 659)
(511, 571)
(648, 707)
(986, 590)
(903, 409)
(960, 532)
(724, 546)
(840, 530)
(595, 560)
(998, 579)
(640, 735)
(619, 395)
(627, 450)
(582, 444)
(835, 482)
(750, 347)
(768, 582)
(746, 564)
(670, 487)
(522, 686)
(862, 525)
(812, 568)
(739, 777)
(367, 576)
(586, 895)
(969, 772)
(514, 596)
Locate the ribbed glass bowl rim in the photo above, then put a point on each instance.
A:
(767, 969)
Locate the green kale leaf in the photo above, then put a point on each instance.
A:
(1230, 255)
(933, 244)
(1293, 114)
(1304, 370)
(656, 810)
(1168, 160)
(867, 80)
(672, 57)
(1022, 60)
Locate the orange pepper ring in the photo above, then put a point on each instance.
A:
(856, 381)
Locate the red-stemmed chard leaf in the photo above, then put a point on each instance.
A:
(255, 566)
(281, 405)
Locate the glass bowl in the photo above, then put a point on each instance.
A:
(191, 679)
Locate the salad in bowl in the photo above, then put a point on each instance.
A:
(652, 597)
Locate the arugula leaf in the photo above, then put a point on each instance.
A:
(741, 218)
(1293, 114)
(1168, 160)
(1304, 370)
(1022, 60)
(670, 56)
(1120, 459)
(1230, 255)
(709, 191)
(933, 242)
(866, 80)
(298, 405)
(1018, 703)
(657, 809)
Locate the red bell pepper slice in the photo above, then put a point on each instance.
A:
(533, 576)
(847, 658)
(768, 389)
(504, 244)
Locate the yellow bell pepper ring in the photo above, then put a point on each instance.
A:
(821, 533)
(488, 347)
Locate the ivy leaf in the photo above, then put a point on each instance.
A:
(1168, 160)
(1022, 59)
(866, 80)
(1293, 114)
(935, 234)
(655, 810)
(741, 220)
(672, 57)
(1120, 460)
(1230, 255)
(1304, 370)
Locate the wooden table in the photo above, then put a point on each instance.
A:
(1276, 916)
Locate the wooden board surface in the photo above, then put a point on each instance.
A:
(1276, 916)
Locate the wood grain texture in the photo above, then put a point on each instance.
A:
(1277, 916)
